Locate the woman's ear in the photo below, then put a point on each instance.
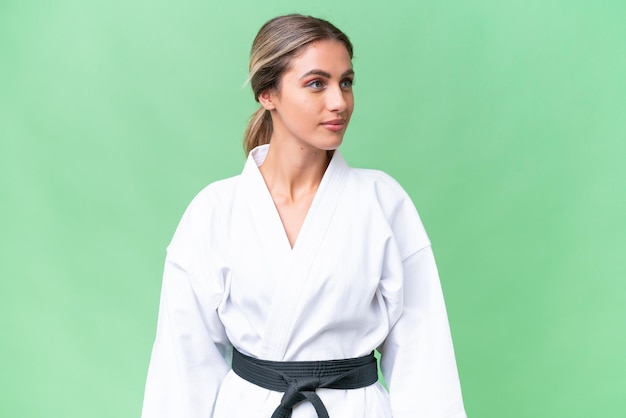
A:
(267, 98)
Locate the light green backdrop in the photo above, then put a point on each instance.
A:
(505, 121)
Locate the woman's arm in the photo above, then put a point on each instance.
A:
(417, 357)
(189, 355)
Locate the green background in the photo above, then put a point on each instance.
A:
(505, 121)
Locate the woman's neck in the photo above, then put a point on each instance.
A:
(292, 171)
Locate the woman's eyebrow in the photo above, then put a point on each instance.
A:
(326, 74)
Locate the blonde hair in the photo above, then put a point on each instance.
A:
(277, 42)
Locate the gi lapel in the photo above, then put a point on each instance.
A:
(263, 211)
(295, 272)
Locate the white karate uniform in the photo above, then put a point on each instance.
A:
(360, 276)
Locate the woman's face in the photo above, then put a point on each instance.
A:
(314, 101)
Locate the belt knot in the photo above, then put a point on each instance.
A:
(299, 389)
(300, 379)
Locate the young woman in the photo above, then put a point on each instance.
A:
(280, 282)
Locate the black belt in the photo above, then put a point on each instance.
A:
(299, 379)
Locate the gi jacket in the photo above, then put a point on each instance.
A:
(360, 276)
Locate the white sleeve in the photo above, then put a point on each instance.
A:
(417, 358)
(189, 357)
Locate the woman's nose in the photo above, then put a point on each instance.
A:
(335, 99)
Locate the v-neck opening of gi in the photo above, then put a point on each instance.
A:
(294, 264)
(258, 155)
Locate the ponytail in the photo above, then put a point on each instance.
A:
(259, 130)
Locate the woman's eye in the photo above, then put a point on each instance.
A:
(316, 84)
(347, 83)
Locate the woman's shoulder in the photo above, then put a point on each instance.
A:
(385, 187)
(396, 204)
(203, 220)
(212, 201)
(216, 192)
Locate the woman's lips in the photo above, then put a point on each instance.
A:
(334, 125)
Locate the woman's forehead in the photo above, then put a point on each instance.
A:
(329, 56)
